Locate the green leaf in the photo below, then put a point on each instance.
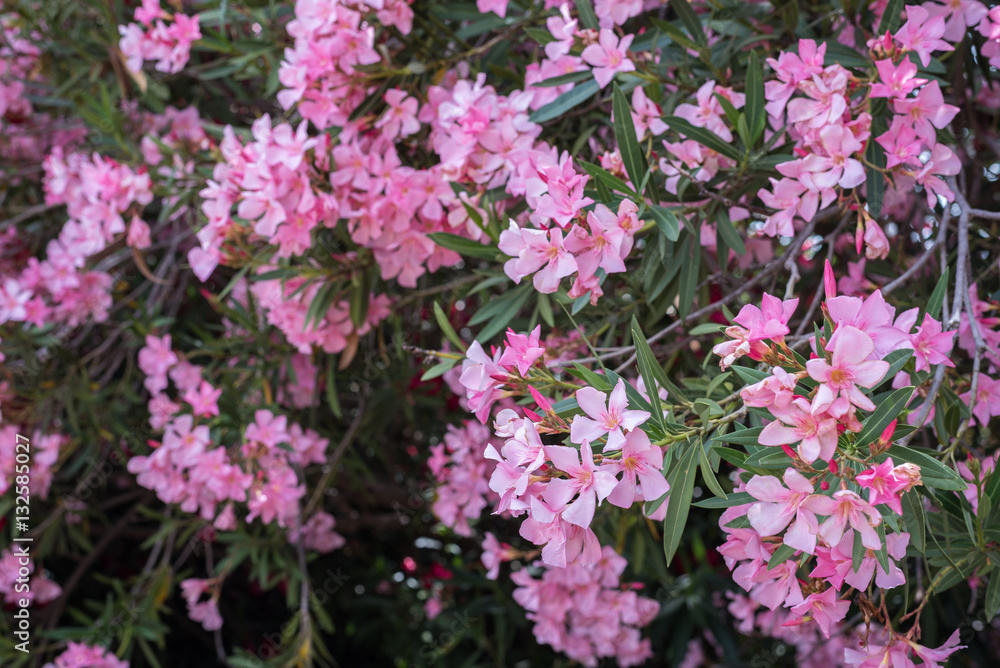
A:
(932, 472)
(733, 499)
(992, 487)
(742, 437)
(913, 518)
(658, 373)
(588, 19)
(285, 272)
(545, 309)
(749, 376)
(690, 20)
(464, 246)
(769, 458)
(332, 399)
(690, 273)
(891, 18)
(439, 369)
(702, 136)
(780, 556)
(858, 553)
(936, 300)
(734, 457)
(572, 77)
(992, 596)
(666, 221)
(566, 101)
(882, 554)
(876, 156)
(754, 107)
(709, 475)
(602, 175)
(510, 304)
(897, 359)
(679, 501)
(628, 145)
(675, 34)
(595, 380)
(885, 412)
(321, 303)
(647, 369)
(447, 329)
(360, 298)
(725, 229)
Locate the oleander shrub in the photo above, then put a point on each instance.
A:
(499, 333)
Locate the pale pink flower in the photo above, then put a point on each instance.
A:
(606, 415)
(589, 483)
(849, 371)
(922, 35)
(796, 422)
(608, 57)
(850, 510)
(639, 460)
(778, 505)
(824, 608)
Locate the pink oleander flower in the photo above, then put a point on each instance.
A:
(479, 376)
(836, 564)
(824, 608)
(849, 371)
(608, 57)
(606, 415)
(204, 400)
(922, 35)
(778, 505)
(836, 168)
(849, 509)
(896, 81)
(901, 143)
(885, 482)
(12, 301)
(770, 321)
(927, 111)
(538, 252)
(400, 119)
(522, 350)
(876, 243)
(588, 482)
(776, 390)
(617, 12)
(494, 554)
(81, 655)
(936, 658)
(796, 422)
(960, 15)
(498, 7)
(931, 346)
(987, 402)
(640, 460)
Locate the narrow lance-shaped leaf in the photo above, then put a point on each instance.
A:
(679, 501)
(702, 136)
(756, 118)
(628, 145)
